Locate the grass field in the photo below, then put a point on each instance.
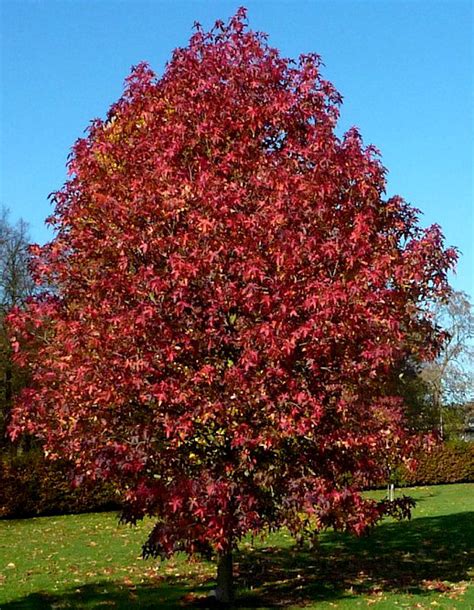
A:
(88, 561)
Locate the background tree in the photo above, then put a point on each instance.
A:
(233, 294)
(16, 285)
(450, 377)
(422, 416)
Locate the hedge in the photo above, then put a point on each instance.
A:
(450, 462)
(31, 486)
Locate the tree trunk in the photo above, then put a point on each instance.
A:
(439, 408)
(7, 404)
(225, 585)
(8, 387)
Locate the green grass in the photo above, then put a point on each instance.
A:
(88, 561)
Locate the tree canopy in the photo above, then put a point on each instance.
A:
(233, 291)
(16, 285)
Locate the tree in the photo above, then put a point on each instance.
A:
(449, 377)
(16, 285)
(420, 414)
(232, 293)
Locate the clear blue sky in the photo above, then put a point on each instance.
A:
(404, 68)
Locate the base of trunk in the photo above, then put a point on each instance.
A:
(225, 585)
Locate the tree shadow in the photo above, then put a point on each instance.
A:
(416, 557)
(167, 594)
(408, 557)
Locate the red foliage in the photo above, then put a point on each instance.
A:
(232, 293)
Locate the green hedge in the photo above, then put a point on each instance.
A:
(30, 486)
(450, 462)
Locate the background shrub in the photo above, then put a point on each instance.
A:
(30, 486)
(450, 462)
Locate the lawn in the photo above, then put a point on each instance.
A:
(89, 561)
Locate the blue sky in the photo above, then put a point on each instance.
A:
(404, 68)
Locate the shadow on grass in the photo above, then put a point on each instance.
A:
(408, 557)
(106, 594)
